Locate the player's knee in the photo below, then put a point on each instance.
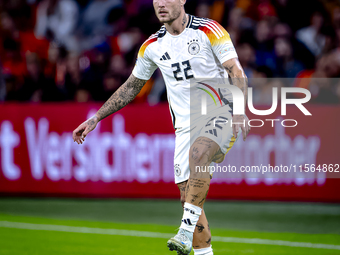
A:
(196, 156)
(199, 168)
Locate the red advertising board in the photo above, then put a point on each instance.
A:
(130, 154)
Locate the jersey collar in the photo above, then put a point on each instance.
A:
(190, 20)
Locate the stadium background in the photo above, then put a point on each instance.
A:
(60, 60)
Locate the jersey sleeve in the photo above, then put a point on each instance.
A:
(144, 67)
(220, 41)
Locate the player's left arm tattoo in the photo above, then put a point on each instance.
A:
(237, 75)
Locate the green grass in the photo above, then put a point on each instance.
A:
(295, 222)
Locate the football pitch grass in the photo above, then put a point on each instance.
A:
(94, 226)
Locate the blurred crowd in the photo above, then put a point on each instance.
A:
(83, 50)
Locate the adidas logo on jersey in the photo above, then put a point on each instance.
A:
(165, 56)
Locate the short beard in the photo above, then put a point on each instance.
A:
(173, 17)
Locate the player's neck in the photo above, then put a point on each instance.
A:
(178, 25)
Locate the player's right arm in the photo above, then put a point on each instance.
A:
(124, 95)
(141, 73)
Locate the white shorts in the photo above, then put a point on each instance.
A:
(216, 128)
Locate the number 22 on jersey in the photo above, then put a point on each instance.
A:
(178, 72)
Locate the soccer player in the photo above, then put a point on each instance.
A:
(186, 48)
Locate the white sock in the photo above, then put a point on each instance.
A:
(204, 251)
(190, 217)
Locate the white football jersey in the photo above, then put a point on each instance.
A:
(197, 53)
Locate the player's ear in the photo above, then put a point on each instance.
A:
(183, 2)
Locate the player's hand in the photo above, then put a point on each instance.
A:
(241, 122)
(83, 129)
